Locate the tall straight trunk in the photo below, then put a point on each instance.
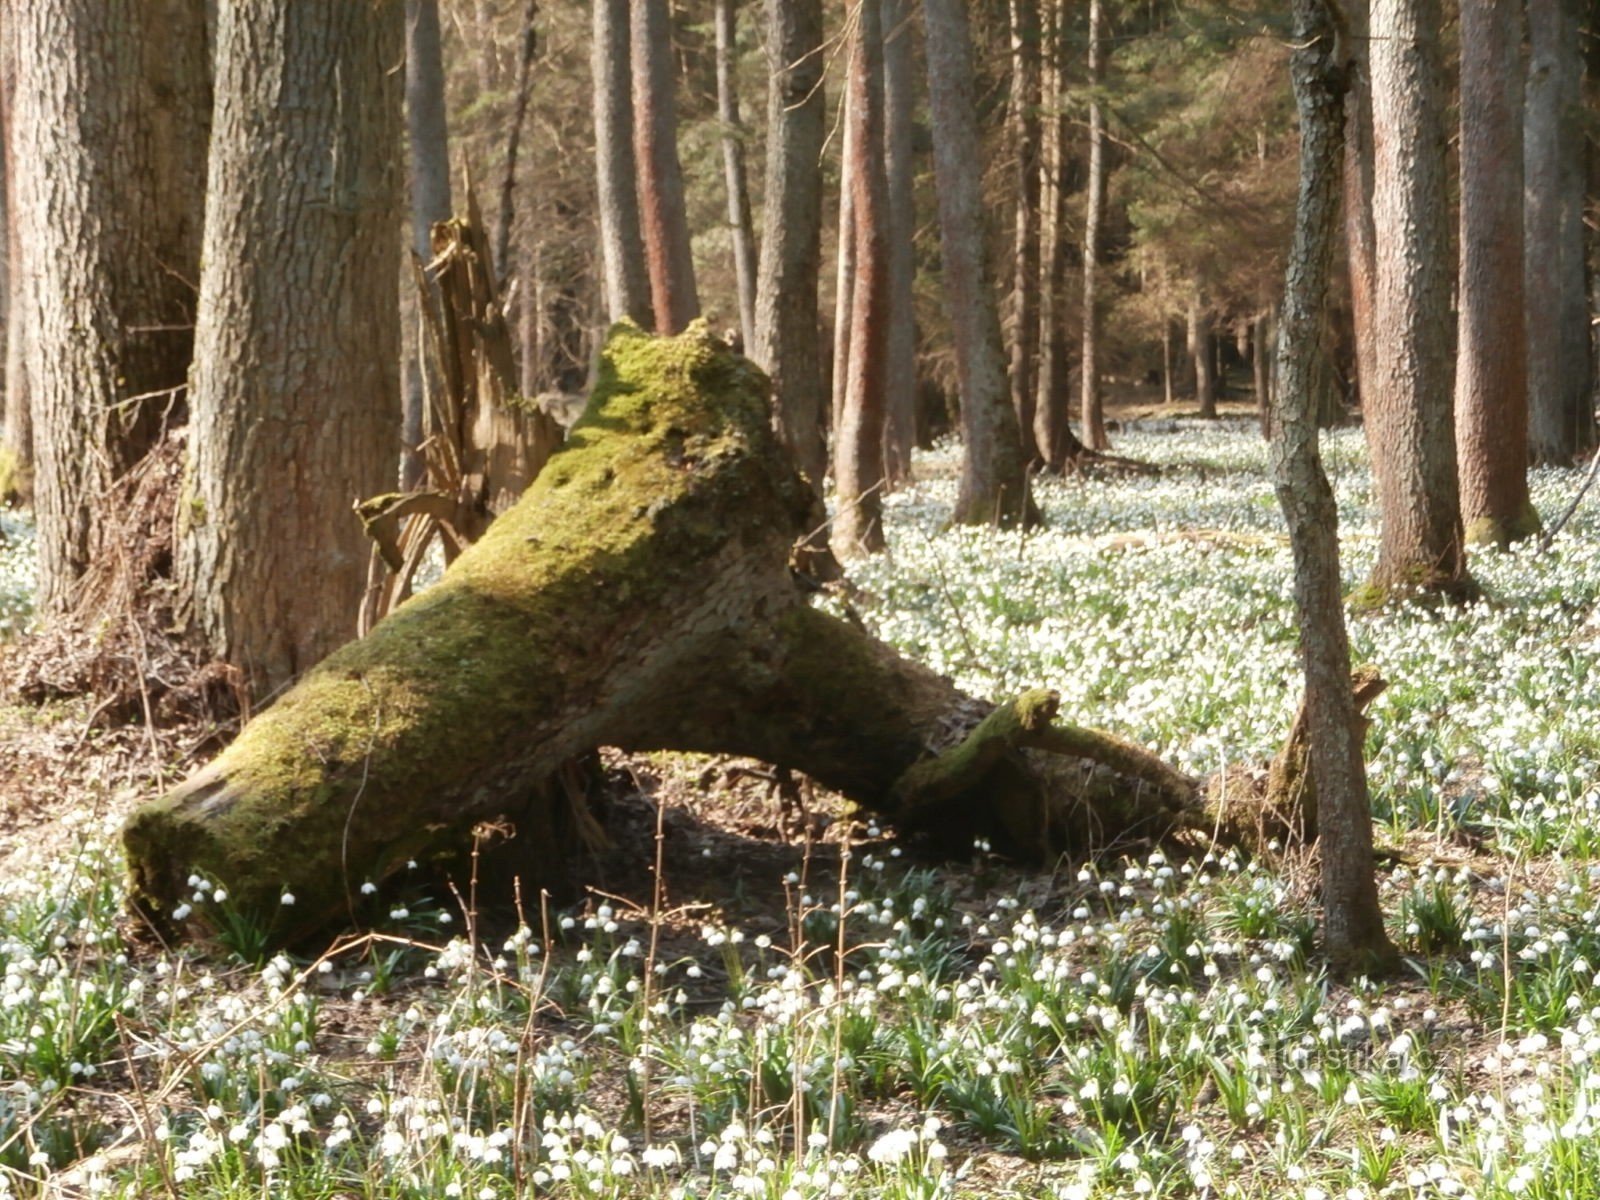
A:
(1491, 399)
(899, 102)
(627, 280)
(845, 267)
(1025, 131)
(669, 252)
(740, 221)
(1557, 303)
(428, 139)
(296, 406)
(993, 471)
(1058, 445)
(1360, 244)
(1353, 931)
(1167, 363)
(16, 439)
(1093, 413)
(1409, 419)
(858, 448)
(519, 118)
(1262, 339)
(111, 109)
(786, 341)
(1203, 354)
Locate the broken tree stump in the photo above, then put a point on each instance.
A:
(641, 595)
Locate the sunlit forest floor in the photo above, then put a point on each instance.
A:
(805, 1007)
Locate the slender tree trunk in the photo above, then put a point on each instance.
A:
(428, 138)
(1491, 399)
(845, 267)
(1093, 414)
(1204, 355)
(296, 400)
(1409, 420)
(1557, 300)
(993, 471)
(1167, 365)
(667, 246)
(111, 108)
(786, 340)
(519, 118)
(16, 440)
(1023, 117)
(740, 221)
(627, 280)
(1360, 240)
(858, 449)
(1353, 931)
(1262, 339)
(899, 101)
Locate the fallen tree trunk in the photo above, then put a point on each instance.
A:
(643, 595)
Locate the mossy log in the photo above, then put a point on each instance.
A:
(642, 594)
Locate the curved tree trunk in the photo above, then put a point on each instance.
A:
(740, 222)
(1491, 398)
(111, 108)
(667, 246)
(787, 335)
(296, 406)
(1025, 130)
(858, 441)
(637, 596)
(1408, 398)
(899, 103)
(994, 478)
(1352, 919)
(627, 279)
(1093, 411)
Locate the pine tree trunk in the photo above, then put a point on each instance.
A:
(1408, 396)
(786, 342)
(1093, 414)
(1491, 397)
(899, 104)
(669, 253)
(858, 444)
(993, 486)
(740, 221)
(1353, 930)
(1024, 120)
(296, 407)
(111, 108)
(627, 279)
(1557, 300)
(428, 139)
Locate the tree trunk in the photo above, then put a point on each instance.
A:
(1167, 366)
(1262, 339)
(1093, 414)
(786, 342)
(668, 250)
(111, 108)
(845, 268)
(858, 443)
(1557, 300)
(994, 474)
(428, 138)
(1353, 929)
(627, 280)
(740, 222)
(1202, 353)
(296, 406)
(1409, 420)
(1491, 398)
(519, 118)
(1360, 240)
(16, 440)
(638, 596)
(899, 103)
(1023, 116)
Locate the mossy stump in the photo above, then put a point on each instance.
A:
(642, 594)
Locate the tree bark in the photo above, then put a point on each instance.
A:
(740, 222)
(1353, 930)
(1202, 353)
(627, 279)
(858, 443)
(844, 274)
(1491, 398)
(650, 553)
(1093, 413)
(669, 252)
(111, 109)
(994, 479)
(786, 342)
(296, 407)
(899, 102)
(1409, 420)
(1024, 120)
(16, 440)
(1262, 338)
(1360, 239)
(1557, 300)
(428, 139)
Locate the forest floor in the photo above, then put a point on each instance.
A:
(1140, 1020)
